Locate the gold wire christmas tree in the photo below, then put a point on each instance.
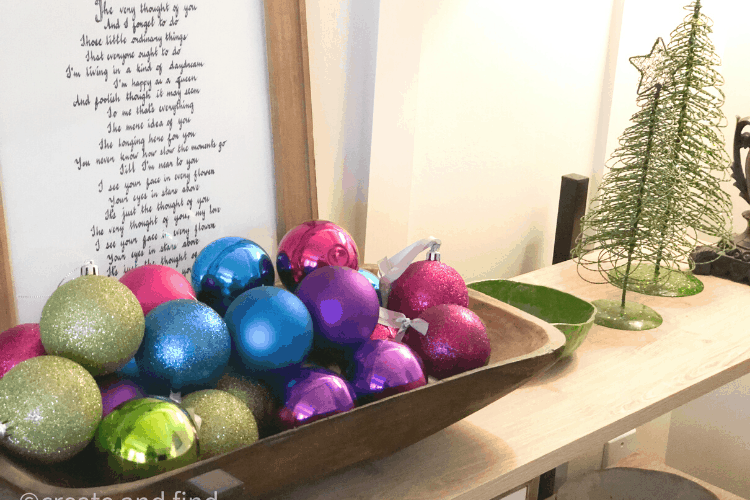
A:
(622, 228)
(698, 152)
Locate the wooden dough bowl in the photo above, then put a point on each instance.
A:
(523, 346)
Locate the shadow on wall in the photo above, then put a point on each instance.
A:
(525, 257)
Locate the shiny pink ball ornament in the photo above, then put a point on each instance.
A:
(153, 285)
(19, 344)
(456, 341)
(425, 284)
(384, 332)
(312, 245)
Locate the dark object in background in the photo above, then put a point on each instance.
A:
(735, 263)
(573, 192)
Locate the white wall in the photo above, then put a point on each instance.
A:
(342, 41)
(475, 122)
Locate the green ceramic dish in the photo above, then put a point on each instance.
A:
(571, 315)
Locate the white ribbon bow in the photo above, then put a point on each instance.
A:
(398, 320)
(391, 268)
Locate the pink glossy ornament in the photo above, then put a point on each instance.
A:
(312, 245)
(153, 285)
(425, 284)
(383, 332)
(456, 341)
(19, 344)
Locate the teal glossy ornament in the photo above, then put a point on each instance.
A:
(95, 321)
(145, 437)
(49, 409)
(226, 423)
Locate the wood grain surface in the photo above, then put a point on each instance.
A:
(615, 382)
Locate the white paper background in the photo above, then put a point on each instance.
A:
(50, 205)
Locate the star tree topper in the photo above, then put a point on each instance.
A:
(652, 66)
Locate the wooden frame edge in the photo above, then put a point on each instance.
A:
(8, 314)
(291, 113)
(291, 126)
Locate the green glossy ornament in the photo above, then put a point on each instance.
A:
(256, 396)
(226, 423)
(95, 321)
(145, 437)
(49, 409)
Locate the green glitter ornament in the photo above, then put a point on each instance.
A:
(256, 395)
(226, 423)
(95, 321)
(49, 409)
(145, 437)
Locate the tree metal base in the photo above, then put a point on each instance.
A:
(633, 316)
(670, 283)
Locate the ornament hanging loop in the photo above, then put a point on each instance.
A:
(391, 268)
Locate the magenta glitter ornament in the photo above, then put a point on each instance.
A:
(456, 341)
(153, 285)
(425, 284)
(312, 394)
(343, 304)
(383, 332)
(382, 368)
(116, 390)
(312, 245)
(19, 344)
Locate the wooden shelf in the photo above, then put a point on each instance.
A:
(615, 382)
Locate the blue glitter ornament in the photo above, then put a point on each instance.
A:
(186, 347)
(271, 328)
(228, 267)
(374, 281)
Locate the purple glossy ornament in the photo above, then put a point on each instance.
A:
(456, 341)
(382, 368)
(312, 394)
(343, 305)
(19, 344)
(116, 390)
(425, 284)
(312, 245)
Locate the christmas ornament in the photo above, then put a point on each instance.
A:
(374, 281)
(226, 423)
(382, 368)
(312, 394)
(343, 305)
(228, 267)
(425, 284)
(153, 284)
(271, 328)
(390, 268)
(383, 332)
(186, 347)
(455, 342)
(18, 344)
(145, 437)
(49, 409)
(95, 321)
(116, 390)
(312, 245)
(255, 394)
